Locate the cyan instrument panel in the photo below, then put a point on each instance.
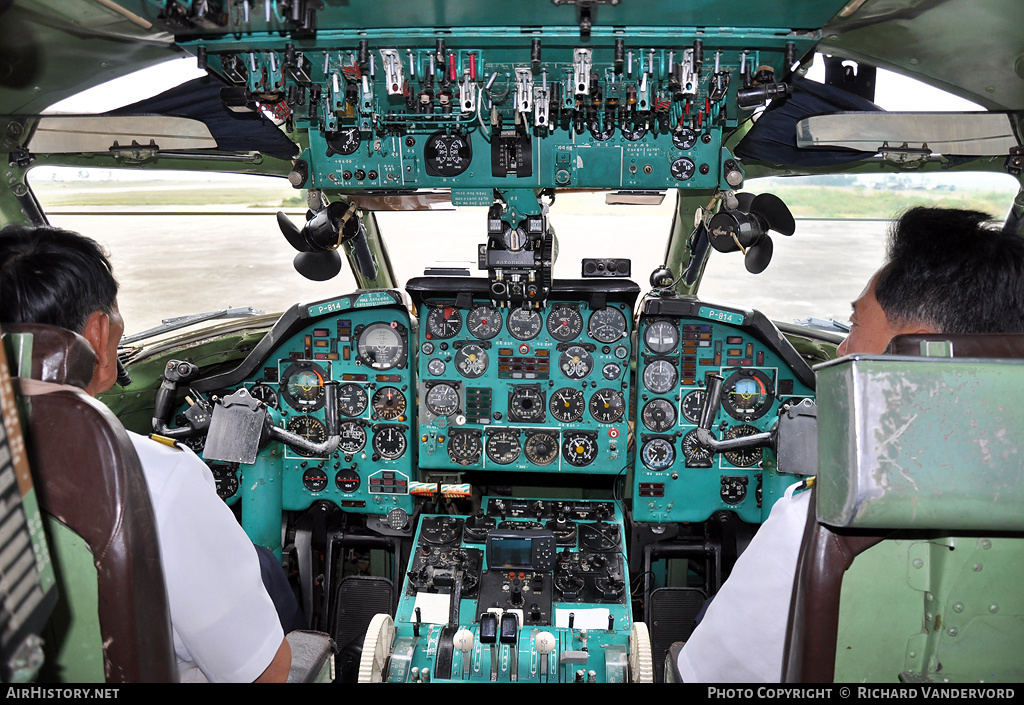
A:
(675, 478)
(520, 389)
(527, 590)
(362, 343)
(477, 108)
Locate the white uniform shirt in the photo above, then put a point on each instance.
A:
(742, 635)
(224, 623)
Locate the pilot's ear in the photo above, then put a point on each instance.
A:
(97, 332)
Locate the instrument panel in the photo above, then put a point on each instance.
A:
(475, 108)
(527, 590)
(361, 343)
(675, 477)
(520, 389)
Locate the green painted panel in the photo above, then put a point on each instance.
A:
(72, 637)
(905, 443)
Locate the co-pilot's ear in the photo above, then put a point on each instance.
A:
(97, 332)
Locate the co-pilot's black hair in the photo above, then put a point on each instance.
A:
(954, 270)
(54, 276)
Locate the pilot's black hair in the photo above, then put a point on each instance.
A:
(954, 270)
(53, 276)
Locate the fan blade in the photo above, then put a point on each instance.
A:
(775, 213)
(758, 256)
(744, 198)
(291, 232)
(318, 266)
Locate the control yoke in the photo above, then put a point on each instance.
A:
(237, 425)
(712, 401)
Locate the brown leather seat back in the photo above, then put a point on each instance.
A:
(825, 555)
(88, 477)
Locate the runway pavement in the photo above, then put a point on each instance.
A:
(171, 265)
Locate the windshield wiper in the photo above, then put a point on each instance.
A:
(170, 324)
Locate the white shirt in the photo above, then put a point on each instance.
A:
(742, 635)
(224, 623)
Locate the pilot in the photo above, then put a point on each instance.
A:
(225, 625)
(947, 271)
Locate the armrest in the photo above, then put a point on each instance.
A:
(312, 657)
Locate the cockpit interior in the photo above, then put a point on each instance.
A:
(486, 472)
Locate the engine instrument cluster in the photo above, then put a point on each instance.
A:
(526, 590)
(676, 478)
(521, 389)
(360, 343)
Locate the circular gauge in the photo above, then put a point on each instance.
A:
(447, 154)
(658, 454)
(579, 449)
(541, 448)
(471, 361)
(344, 141)
(389, 441)
(347, 480)
(607, 325)
(388, 403)
(225, 476)
(661, 337)
(484, 322)
(658, 415)
(633, 130)
(314, 479)
(565, 323)
(747, 394)
(660, 376)
(526, 404)
(524, 323)
(310, 428)
(684, 138)
(682, 169)
(380, 346)
(443, 322)
(734, 490)
(464, 447)
(692, 404)
(567, 404)
(695, 454)
(607, 405)
(611, 371)
(353, 438)
(744, 457)
(266, 394)
(503, 446)
(576, 362)
(442, 400)
(436, 367)
(302, 386)
(352, 399)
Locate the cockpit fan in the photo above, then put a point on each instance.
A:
(746, 227)
(318, 241)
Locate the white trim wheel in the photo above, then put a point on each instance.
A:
(641, 664)
(376, 648)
